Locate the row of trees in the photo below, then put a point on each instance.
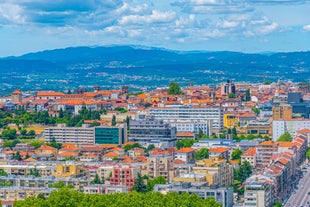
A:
(72, 198)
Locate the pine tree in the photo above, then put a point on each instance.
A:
(113, 120)
(139, 185)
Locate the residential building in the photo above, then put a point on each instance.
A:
(160, 165)
(224, 195)
(185, 154)
(282, 112)
(190, 114)
(292, 126)
(20, 193)
(217, 171)
(194, 127)
(228, 87)
(249, 156)
(222, 152)
(124, 175)
(258, 192)
(148, 131)
(104, 189)
(70, 169)
(265, 150)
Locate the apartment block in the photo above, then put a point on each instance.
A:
(265, 150)
(190, 114)
(124, 175)
(217, 171)
(160, 165)
(70, 169)
(291, 126)
(282, 112)
(20, 193)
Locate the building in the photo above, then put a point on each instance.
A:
(104, 189)
(282, 112)
(217, 171)
(249, 156)
(220, 194)
(190, 114)
(124, 175)
(265, 150)
(185, 154)
(70, 169)
(292, 126)
(87, 135)
(208, 143)
(222, 152)
(160, 165)
(228, 87)
(258, 192)
(111, 135)
(63, 134)
(148, 131)
(194, 127)
(16, 96)
(21, 193)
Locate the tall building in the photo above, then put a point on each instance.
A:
(190, 114)
(16, 96)
(290, 126)
(265, 150)
(87, 135)
(148, 131)
(294, 97)
(228, 87)
(282, 112)
(217, 171)
(160, 165)
(258, 192)
(124, 175)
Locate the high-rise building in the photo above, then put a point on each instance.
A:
(148, 131)
(190, 114)
(160, 165)
(228, 87)
(282, 112)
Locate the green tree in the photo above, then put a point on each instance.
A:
(41, 196)
(113, 120)
(256, 110)
(97, 180)
(23, 132)
(231, 95)
(308, 153)
(131, 146)
(55, 144)
(139, 185)
(150, 147)
(247, 95)
(157, 180)
(277, 204)
(9, 133)
(31, 132)
(35, 172)
(236, 154)
(17, 156)
(174, 89)
(3, 173)
(285, 137)
(61, 113)
(59, 184)
(128, 122)
(203, 153)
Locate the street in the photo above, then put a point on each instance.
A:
(301, 196)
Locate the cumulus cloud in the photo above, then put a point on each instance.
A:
(11, 13)
(306, 28)
(154, 17)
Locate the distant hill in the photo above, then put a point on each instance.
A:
(145, 67)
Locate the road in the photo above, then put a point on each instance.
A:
(301, 197)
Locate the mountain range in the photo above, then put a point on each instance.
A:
(145, 67)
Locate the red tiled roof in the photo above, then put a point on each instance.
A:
(218, 149)
(185, 134)
(46, 148)
(185, 150)
(67, 154)
(111, 154)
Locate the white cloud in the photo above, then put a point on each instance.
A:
(11, 13)
(306, 28)
(200, 2)
(229, 24)
(154, 17)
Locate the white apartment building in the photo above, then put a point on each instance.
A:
(194, 127)
(190, 114)
(290, 126)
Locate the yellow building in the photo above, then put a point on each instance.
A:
(69, 169)
(230, 120)
(192, 177)
(217, 171)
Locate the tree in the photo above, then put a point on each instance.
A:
(157, 180)
(308, 153)
(17, 156)
(236, 154)
(59, 184)
(256, 110)
(285, 137)
(97, 180)
(128, 122)
(231, 95)
(61, 113)
(247, 95)
(185, 143)
(9, 133)
(277, 204)
(150, 147)
(113, 120)
(3, 173)
(174, 89)
(55, 144)
(35, 172)
(139, 185)
(41, 196)
(203, 153)
(31, 132)
(23, 132)
(234, 131)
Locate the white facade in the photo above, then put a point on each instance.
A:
(290, 126)
(194, 127)
(190, 114)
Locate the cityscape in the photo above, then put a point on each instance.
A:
(178, 103)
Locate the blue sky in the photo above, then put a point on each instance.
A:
(235, 25)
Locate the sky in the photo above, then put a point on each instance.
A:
(215, 25)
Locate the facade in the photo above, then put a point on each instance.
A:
(187, 155)
(70, 169)
(265, 150)
(104, 189)
(217, 171)
(195, 127)
(111, 135)
(124, 175)
(44, 170)
(290, 126)
(222, 195)
(190, 114)
(160, 165)
(20, 193)
(258, 192)
(148, 131)
(228, 87)
(282, 112)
